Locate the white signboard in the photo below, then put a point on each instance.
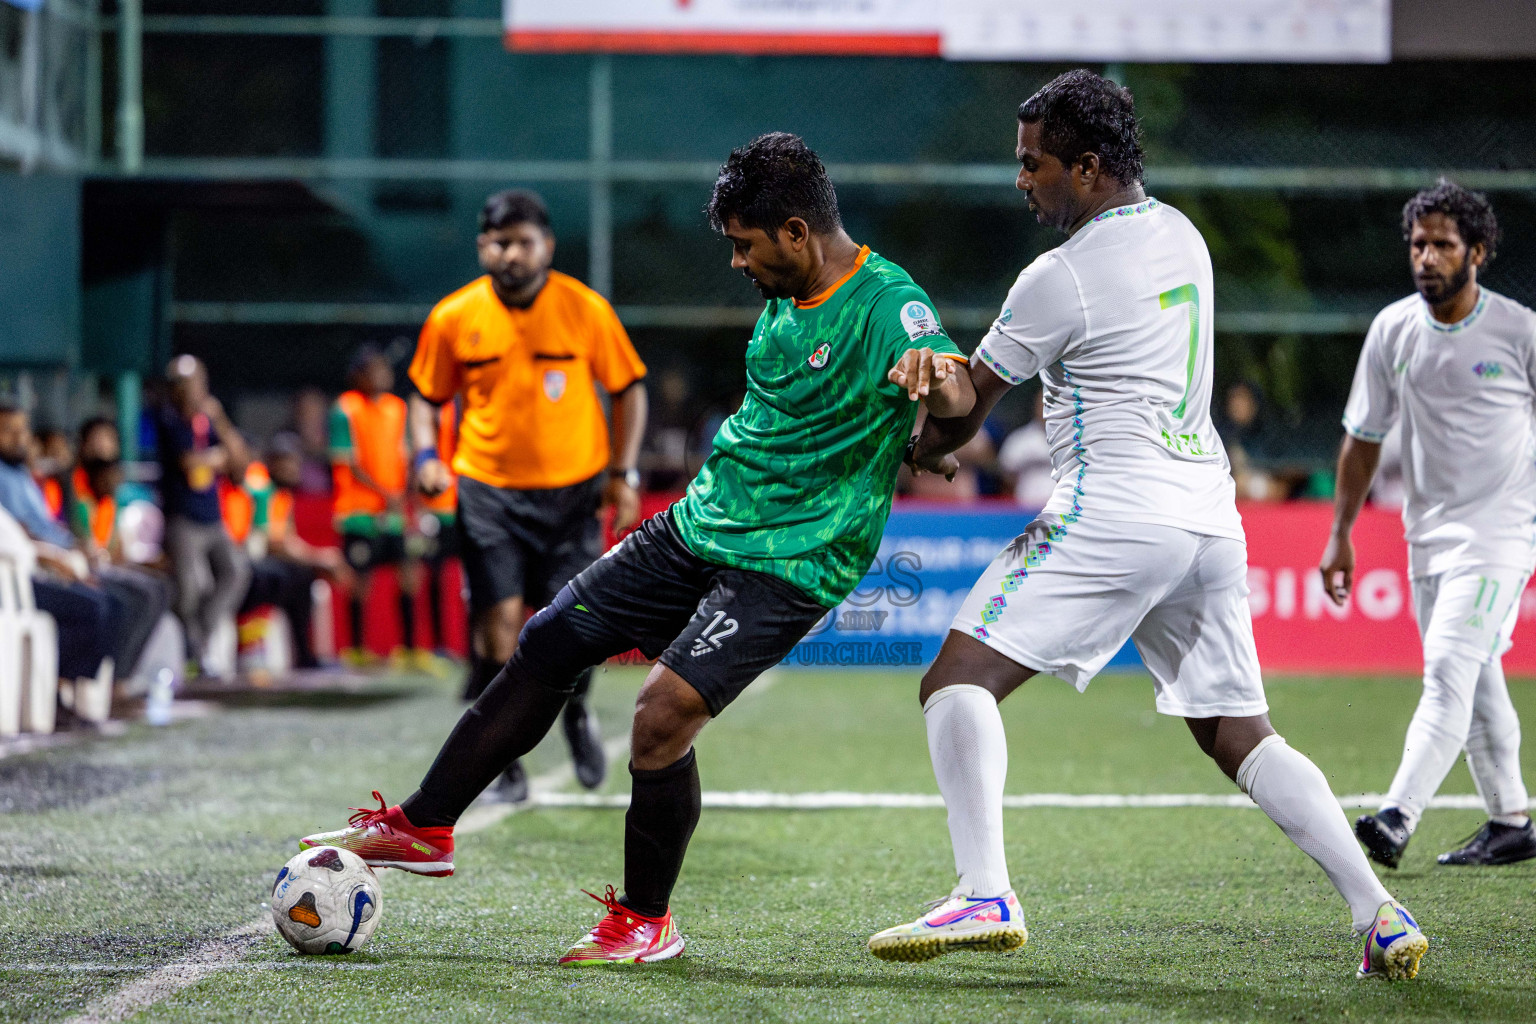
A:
(1169, 30)
(890, 27)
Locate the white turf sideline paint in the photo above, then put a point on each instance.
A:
(142, 993)
(225, 953)
(331, 964)
(754, 800)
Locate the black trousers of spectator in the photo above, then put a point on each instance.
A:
(145, 597)
(288, 585)
(89, 622)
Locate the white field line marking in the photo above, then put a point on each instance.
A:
(206, 959)
(225, 953)
(331, 964)
(756, 800)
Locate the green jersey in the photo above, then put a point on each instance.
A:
(799, 483)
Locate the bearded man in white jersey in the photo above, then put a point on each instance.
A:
(1455, 364)
(1141, 539)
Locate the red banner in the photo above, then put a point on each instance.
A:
(1299, 630)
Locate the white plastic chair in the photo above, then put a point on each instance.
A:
(11, 659)
(29, 648)
(40, 697)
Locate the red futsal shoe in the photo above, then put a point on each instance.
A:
(384, 838)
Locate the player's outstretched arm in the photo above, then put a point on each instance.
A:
(1357, 466)
(937, 379)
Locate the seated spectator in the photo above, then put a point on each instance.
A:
(85, 616)
(284, 566)
(52, 460)
(94, 484)
(137, 599)
(1025, 459)
(197, 444)
(1240, 423)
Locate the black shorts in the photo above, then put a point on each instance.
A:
(366, 551)
(717, 627)
(526, 544)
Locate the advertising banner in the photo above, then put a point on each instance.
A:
(1111, 30)
(931, 556)
(870, 27)
(1169, 30)
(929, 559)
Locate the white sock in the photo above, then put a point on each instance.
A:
(1437, 733)
(970, 760)
(1295, 795)
(1493, 749)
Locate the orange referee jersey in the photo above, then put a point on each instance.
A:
(370, 433)
(532, 418)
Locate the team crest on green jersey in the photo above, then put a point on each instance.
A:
(819, 357)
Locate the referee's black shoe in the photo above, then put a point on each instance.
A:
(511, 787)
(1495, 844)
(586, 742)
(1384, 835)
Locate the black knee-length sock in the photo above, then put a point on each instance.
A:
(356, 607)
(663, 810)
(408, 619)
(434, 581)
(506, 722)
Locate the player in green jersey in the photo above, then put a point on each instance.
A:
(779, 526)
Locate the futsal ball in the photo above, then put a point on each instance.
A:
(326, 900)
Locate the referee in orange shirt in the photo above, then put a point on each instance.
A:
(524, 348)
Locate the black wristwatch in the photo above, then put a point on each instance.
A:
(629, 476)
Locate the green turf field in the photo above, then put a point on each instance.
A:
(122, 855)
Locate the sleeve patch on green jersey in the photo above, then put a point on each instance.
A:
(920, 321)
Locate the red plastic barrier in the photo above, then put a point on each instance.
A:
(1299, 630)
(312, 515)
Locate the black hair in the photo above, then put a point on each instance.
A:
(514, 206)
(771, 179)
(1081, 112)
(1470, 210)
(10, 406)
(92, 424)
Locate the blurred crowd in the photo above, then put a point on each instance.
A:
(153, 570)
(159, 566)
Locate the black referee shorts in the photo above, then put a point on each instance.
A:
(717, 627)
(526, 544)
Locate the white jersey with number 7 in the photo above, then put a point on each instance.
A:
(1117, 321)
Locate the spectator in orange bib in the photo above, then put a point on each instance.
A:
(524, 348)
(370, 473)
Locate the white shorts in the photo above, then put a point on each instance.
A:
(1470, 610)
(1069, 592)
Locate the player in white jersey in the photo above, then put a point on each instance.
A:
(1454, 364)
(1141, 539)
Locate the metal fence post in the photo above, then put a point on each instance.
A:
(600, 183)
(130, 85)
